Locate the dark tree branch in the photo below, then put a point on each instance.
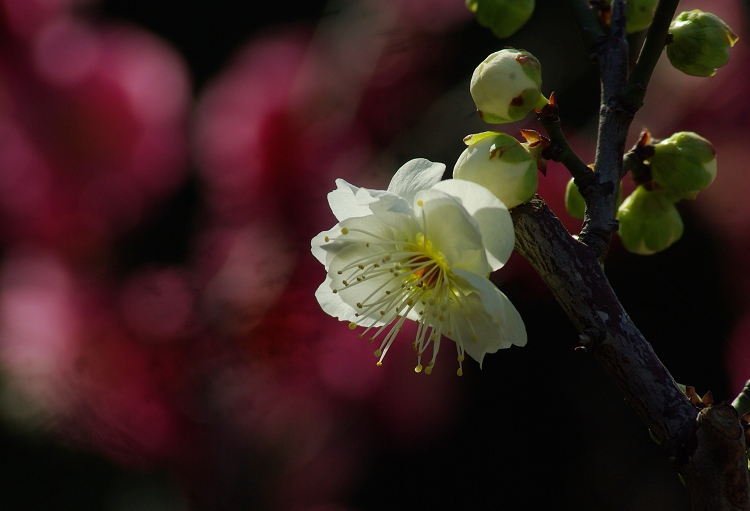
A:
(717, 476)
(576, 279)
(620, 100)
(614, 123)
(707, 448)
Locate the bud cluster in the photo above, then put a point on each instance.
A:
(680, 166)
(505, 87)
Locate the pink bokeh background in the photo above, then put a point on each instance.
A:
(164, 363)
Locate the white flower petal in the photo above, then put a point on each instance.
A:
(344, 203)
(332, 304)
(318, 242)
(415, 175)
(510, 325)
(491, 215)
(452, 231)
(405, 225)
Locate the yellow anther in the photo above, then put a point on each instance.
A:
(379, 364)
(327, 239)
(460, 372)
(420, 203)
(461, 358)
(360, 266)
(344, 230)
(335, 290)
(352, 326)
(359, 305)
(382, 313)
(345, 282)
(378, 353)
(428, 369)
(360, 336)
(418, 369)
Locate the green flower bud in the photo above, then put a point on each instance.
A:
(649, 222)
(638, 14)
(501, 164)
(683, 164)
(507, 85)
(574, 203)
(503, 17)
(700, 43)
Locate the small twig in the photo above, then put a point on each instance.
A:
(550, 120)
(591, 30)
(656, 37)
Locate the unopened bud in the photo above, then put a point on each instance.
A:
(503, 17)
(700, 43)
(683, 164)
(507, 85)
(649, 222)
(638, 14)
(574, 203)
(501, 164)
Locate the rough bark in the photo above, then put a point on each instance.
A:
(706, 446)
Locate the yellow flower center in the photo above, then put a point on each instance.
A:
(400, 279)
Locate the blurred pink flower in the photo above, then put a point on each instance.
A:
(22, 18)
(143, 365)
(159, 304)
(72, 364)
(39, 333)
(92, 132)
(242, 273)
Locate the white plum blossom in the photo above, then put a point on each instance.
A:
(421, 250)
